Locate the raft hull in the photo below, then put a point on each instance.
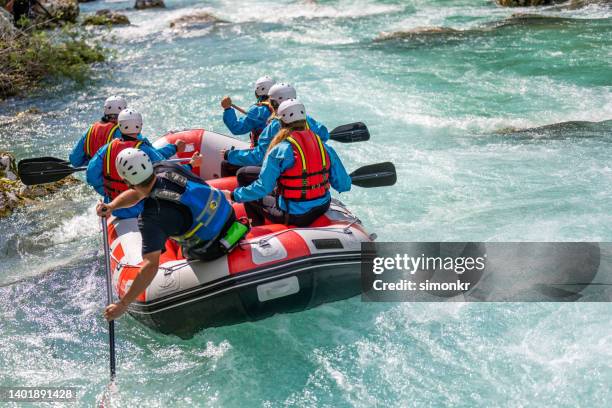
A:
(309, 282)
(275, 269)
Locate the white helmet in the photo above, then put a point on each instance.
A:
(133, 165)
(291, 111)
(114, 104)
(129, 121)
(262, 85)
(281, 92)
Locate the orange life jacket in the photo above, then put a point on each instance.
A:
(113, 183)
(256, 132)
(98, 135)
(308, 178)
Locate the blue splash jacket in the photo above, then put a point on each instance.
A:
(255, 156)
(277, 161)
(78, 157)
(95, 172)
(256, 118)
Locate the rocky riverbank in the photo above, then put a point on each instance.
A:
(14, 194)
(34, 53)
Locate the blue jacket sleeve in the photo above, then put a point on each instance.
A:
(338, 176)
(156, 154)
(278, 160)
(94, 173)
(255, 156)
(167, 151)
(254, 119)
(77, 156)
(318, 128)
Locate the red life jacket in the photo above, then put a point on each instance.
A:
(308, 179)
(98, 135)
(256, 132)
(113, 183)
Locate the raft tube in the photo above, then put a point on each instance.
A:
(275, 269)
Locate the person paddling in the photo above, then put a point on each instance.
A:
(254, 156)
(100, 133)
(177, 204)
(102, 174)
(301, 167)
(256, 118)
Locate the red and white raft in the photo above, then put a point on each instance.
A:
(275, 269)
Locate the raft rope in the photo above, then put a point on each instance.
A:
(261, 242)
(167, 269)
(265, 241)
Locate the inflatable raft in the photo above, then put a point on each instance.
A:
(275, 269)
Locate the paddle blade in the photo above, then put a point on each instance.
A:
(350, 133)
(375, 175)
(42, 160)
(32, 171)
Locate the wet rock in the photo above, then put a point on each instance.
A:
(197, 20)
(528, 19)
(42, 190)
(106, 17)
(576, 4)
(7, 28)
(13, 193)
(418, 33)
(55, 12)
(563, 4)
(8, 169)
(147, 4)
(561, 131)
(528, 3)
(434, 35)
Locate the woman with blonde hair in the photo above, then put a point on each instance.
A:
(301, 167)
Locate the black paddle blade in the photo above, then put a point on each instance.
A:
(350, 133)
(34, 171)
(42, 160)
(375, 175)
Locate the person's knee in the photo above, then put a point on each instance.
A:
(228, 169)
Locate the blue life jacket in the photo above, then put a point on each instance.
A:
(208, 206)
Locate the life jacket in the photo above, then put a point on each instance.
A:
(308, 178)
(255, 133)
(98, 135)
(208, 207)
(113, 183)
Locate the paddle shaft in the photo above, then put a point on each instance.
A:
(109, 298)
(239, 109)
(338, 134)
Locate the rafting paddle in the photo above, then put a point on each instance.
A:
(109, 298)
(375, 175)
(350, 133)
(43, 170)
(239, 109)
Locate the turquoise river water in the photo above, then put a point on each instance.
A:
(455, 110)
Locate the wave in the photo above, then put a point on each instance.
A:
(281, 13)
